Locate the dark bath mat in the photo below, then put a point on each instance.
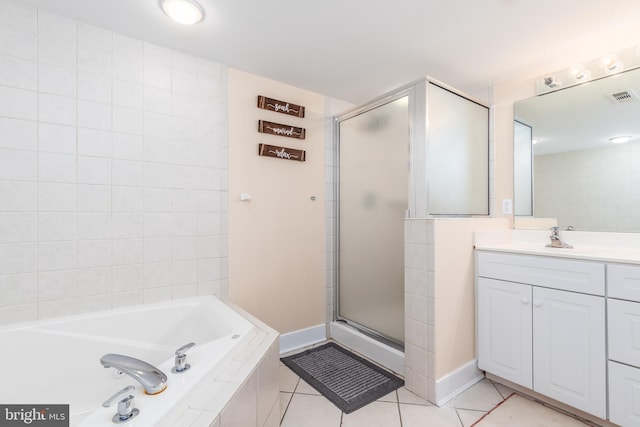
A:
(348, 381)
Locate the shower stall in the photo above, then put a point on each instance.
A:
(418, 152)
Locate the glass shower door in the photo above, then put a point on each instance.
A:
(373, 200)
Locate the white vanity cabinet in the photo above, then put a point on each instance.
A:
(623, 312)
(541, 324)
(505, 330)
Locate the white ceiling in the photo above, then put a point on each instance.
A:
(355, 50)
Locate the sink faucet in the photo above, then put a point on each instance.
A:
(556, 240)
(152, 379)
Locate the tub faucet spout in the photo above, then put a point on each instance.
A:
(152, 379)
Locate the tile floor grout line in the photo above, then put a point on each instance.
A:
(459, 418)
(473, 410)
(290, 400)
(492, 409)
(398, 404)
(495, 385)
(286, 408)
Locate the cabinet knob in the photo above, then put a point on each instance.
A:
(525, 300)
(537, 303)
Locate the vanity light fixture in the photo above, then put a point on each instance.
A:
(185, 12)
(620, 139)
(611, 64)
(597, 68)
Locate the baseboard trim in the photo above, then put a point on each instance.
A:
(382, 354)
(456, 382)
(296, 340)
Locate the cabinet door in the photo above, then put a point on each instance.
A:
(504, 330)
(569, 357)
(624, 331)
(624, 389)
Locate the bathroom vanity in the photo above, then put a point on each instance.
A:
(562, 323)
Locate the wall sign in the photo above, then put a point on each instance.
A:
(280, 106)
(281, 152)
(280, 129)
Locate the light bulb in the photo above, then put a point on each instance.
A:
(611, 64)
(186, 12)
(579, 73)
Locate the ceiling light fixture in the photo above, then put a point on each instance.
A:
(620, 139)
(185, 12)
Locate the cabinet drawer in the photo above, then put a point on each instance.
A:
(624, 387)
(624, 331)
(558, 273)
(623, 281)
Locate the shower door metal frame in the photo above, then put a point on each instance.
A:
(410, 92)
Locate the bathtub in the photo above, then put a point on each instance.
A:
(57, 361)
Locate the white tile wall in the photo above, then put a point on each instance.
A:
(592, 190)
(112, 169)
(419, 307)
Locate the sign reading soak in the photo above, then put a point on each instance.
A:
(34, 415)
(280, 106)
(281, 152)
(279, 129)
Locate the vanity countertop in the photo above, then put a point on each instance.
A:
(591, 253)
(586, 246)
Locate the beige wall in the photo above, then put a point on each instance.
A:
(455, 290)
(276, 240)
(454, 316)
(504, 95)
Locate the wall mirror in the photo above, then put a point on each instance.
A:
(577, 155)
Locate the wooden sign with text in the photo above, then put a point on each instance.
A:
(280, 106)
(280, 129)
(281, 152)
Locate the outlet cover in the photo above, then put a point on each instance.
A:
(507, 206)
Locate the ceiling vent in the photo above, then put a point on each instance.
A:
(623, 96)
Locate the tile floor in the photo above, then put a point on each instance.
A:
(302, 406)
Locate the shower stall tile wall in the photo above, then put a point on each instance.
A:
(112, 169)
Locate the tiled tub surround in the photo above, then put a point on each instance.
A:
(246, 392)
(112, 169)
(234, 364)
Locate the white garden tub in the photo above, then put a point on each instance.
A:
(58, 361)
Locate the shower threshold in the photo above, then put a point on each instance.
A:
(381, 353)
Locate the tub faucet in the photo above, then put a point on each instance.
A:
(556, 240)
(152, 379)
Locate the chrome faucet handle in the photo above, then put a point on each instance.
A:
(181, 364)
(126, 409)
(556, 240)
